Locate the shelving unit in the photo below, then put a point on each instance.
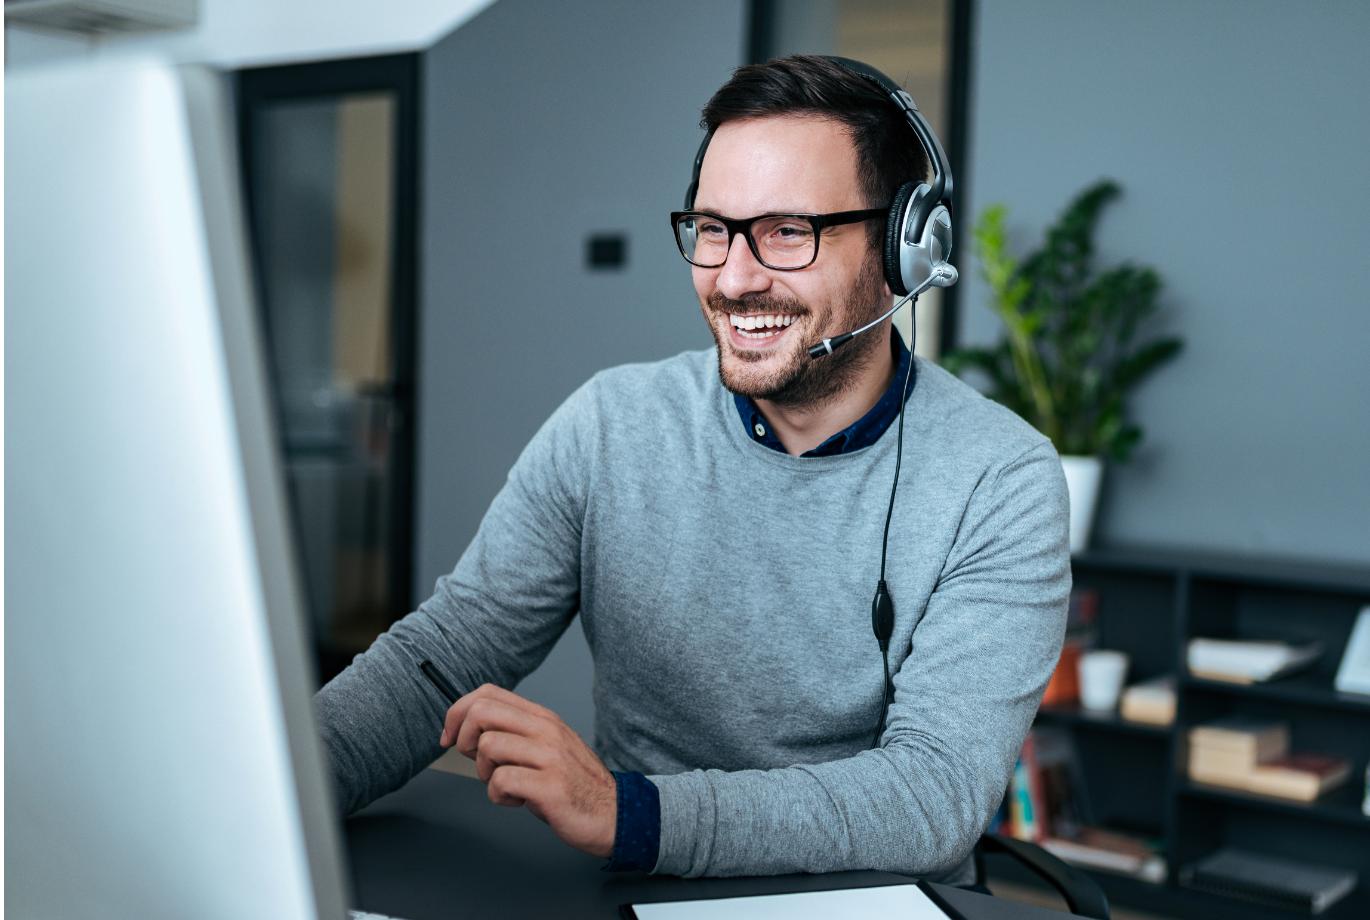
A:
(1151, 602)
(1301, 689)
(1340, 806)
(1076, 715)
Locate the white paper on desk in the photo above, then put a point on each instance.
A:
(902, 902)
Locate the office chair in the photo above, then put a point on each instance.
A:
(1082, 894)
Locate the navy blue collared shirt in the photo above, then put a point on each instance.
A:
(863, 432)
(637, 830)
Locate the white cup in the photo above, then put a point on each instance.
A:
(1101, 678)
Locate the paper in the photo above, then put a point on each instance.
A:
(905, 902)
(1244, 660)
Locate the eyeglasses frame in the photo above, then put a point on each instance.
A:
(743, 225)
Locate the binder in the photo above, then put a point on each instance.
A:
(1269, 880)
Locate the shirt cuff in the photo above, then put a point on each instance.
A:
(637, 830)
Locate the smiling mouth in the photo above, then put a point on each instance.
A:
(761, 327)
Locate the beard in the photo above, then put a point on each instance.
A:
(801, 381)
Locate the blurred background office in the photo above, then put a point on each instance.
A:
(458, 214)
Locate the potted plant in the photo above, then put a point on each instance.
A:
(1070, 354)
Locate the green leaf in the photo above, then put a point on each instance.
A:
(1067, 362)
(1146, 359)
(1124, 442)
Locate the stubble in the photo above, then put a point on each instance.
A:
(805, 382)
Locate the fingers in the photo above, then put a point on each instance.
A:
(488, 716)
(482, 699)
(511, 785)
(491, 692)
(496, 749)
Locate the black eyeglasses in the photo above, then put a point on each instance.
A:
(784, 242)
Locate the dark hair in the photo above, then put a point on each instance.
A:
(888, 153)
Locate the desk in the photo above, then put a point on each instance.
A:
(437, 849)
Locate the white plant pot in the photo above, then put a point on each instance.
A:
(1083, 475)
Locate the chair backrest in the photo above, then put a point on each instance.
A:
(1082, 894)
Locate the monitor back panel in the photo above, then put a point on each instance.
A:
(160, 756)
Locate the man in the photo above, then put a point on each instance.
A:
(718, 528)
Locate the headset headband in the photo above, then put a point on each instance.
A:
(941, 173)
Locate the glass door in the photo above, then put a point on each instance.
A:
(328, 155)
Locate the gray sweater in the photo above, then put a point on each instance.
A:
(725, 591)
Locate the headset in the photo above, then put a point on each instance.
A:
(917, 244)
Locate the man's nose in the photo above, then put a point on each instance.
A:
(742, 274)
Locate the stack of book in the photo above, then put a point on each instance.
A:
(1151, 701)
(1248, 662)
(1267, 880)
(1253, 755)
(1226, 752)
(1047, 804)
(1042, 794)
(1125, 854)
(1300, 777)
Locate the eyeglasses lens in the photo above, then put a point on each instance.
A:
(780, 241)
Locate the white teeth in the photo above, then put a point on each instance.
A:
(772, 321)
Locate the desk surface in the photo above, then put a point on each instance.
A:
(438, 849)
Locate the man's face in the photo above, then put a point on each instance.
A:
(798, 165)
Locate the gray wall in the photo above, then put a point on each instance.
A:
(546, 121)
(1238, 131)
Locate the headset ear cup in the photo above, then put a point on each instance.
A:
(894, 234)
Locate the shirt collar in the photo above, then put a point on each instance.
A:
(864, 432)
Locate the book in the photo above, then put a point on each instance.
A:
(1097, 848)
(1225, 752)
(1245, 661)
(1218, 771)
(1269, 880)
(1049, 789)
(1251, 740)
(1062, 808)
(1301, 777)
(1024, 799)
(1151, 701)
(1002, 822)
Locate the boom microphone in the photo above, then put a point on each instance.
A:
(944, 275)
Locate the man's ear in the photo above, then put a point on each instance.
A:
(880, 266)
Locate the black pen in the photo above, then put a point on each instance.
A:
(437, 680)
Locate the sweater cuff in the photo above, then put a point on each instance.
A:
(637, 829)
(689, 818)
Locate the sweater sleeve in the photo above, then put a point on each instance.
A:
(964, 699)
(493, 619)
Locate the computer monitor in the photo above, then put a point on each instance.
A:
(161, 757)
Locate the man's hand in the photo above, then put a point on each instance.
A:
(526, 755)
